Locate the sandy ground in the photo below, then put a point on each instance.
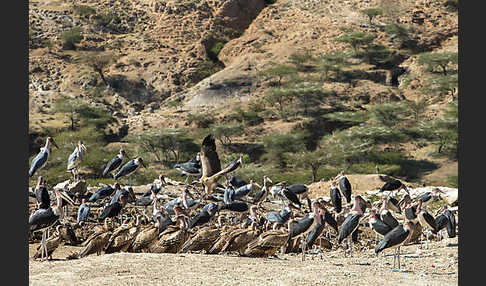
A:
(437, 265)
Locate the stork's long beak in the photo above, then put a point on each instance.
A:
(54, 143)
(268, 179)
(256, 184)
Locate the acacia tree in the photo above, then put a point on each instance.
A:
(417, 107)
(165, 144)
(356, 39)
(312, 160)
(371, 13)
(224, 132)
(99, 62)
(331, 62)
(71, 107)
(279, 71)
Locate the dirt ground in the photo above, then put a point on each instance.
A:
(437, 265)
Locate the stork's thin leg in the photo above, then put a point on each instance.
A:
(130, 180)
(399, 257)
(303, 247)
(43, 244)
(185, 181)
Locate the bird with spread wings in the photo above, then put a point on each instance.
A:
(211, 165)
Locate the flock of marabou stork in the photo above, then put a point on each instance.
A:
(209, 217)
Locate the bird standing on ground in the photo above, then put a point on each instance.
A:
(76, 158)
(263, 193)
(344, 186)
(129, 168)
(377, 225)
(395, 238)
(42, 195)
(336, 198)
(115, 163)
(104, 192)
(83, 212)
(426, 220)
(351, 223)
(393, 185)
(43, 219)
(39, 161)
(191, 168)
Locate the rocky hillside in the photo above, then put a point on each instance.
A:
(173, 59)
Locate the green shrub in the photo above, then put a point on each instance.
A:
(215, 49)
(71, 37)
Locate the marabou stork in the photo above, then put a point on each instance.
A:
(40, 160)
(236, 182)
(104, 192)
(301, 190)
(114, 209)
(129, 168)
(289, 195)
(393, 185)
(426, 220)
(428, 197)
(307, 224)
(115, 163)
(344, 186)
(279, 218)
(261, 196)
(377, 225)
(83, 212)
(42, 195)
(191, 168)
(351, 223)
(446, 220)
(43, 219)
(155, 188)
(336, 198)
(395, 238)
(76, 158)
(203, 217)
(386, 216)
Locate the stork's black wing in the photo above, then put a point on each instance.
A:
(314, 233)
(336, 199)
(101, 193)
(235, 207)
(345, 187)
(43, 198)
(112, 165)
(42, 218)
(298, 188)
(236, 182)
(110, 210)
(83, 212)
(392, 238)
(349, 226)
(302, 225)
(380, 227)
(200, 219)
(389, 219)
(331, 221)
(451, 225)
(128, 168)
(291, 196)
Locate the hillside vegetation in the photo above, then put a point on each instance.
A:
(302, 88)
